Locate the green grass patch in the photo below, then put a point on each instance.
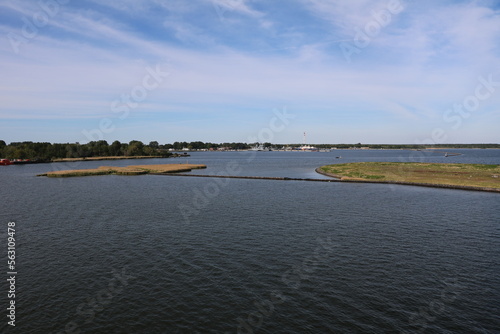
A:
(485, 166)
(475, 175)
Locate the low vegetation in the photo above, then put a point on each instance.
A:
(128, 170)
(105, 158)
(468, 175)
(46, 152)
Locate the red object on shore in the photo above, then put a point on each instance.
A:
(5, 162)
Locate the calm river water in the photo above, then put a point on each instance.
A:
(164, 254)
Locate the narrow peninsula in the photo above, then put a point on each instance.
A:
(442, 175)
(128, 170)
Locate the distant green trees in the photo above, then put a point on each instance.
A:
(44, 151)
(48, 151)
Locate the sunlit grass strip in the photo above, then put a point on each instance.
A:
(468, 175)
(128, 170)
(107, 158)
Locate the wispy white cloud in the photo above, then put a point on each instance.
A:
(188, 34)
(347, 17)
(238, 6)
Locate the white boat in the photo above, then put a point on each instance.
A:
(260, 148)
(308, 148)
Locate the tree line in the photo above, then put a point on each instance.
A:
(44, 151)
(47, 151)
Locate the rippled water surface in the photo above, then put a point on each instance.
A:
(163, 254)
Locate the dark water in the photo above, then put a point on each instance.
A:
(157, 254)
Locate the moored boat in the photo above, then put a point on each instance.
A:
(21, 161)
(6, 162)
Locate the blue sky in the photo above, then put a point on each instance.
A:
(369, 71)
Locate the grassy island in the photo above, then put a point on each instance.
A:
(128, 170)
(461, 176)
(107, 158)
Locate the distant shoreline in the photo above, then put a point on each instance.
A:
(175, 155)
(59, 160)
(28, 152)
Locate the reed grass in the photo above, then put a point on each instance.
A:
(107, 158)
(128, 170)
